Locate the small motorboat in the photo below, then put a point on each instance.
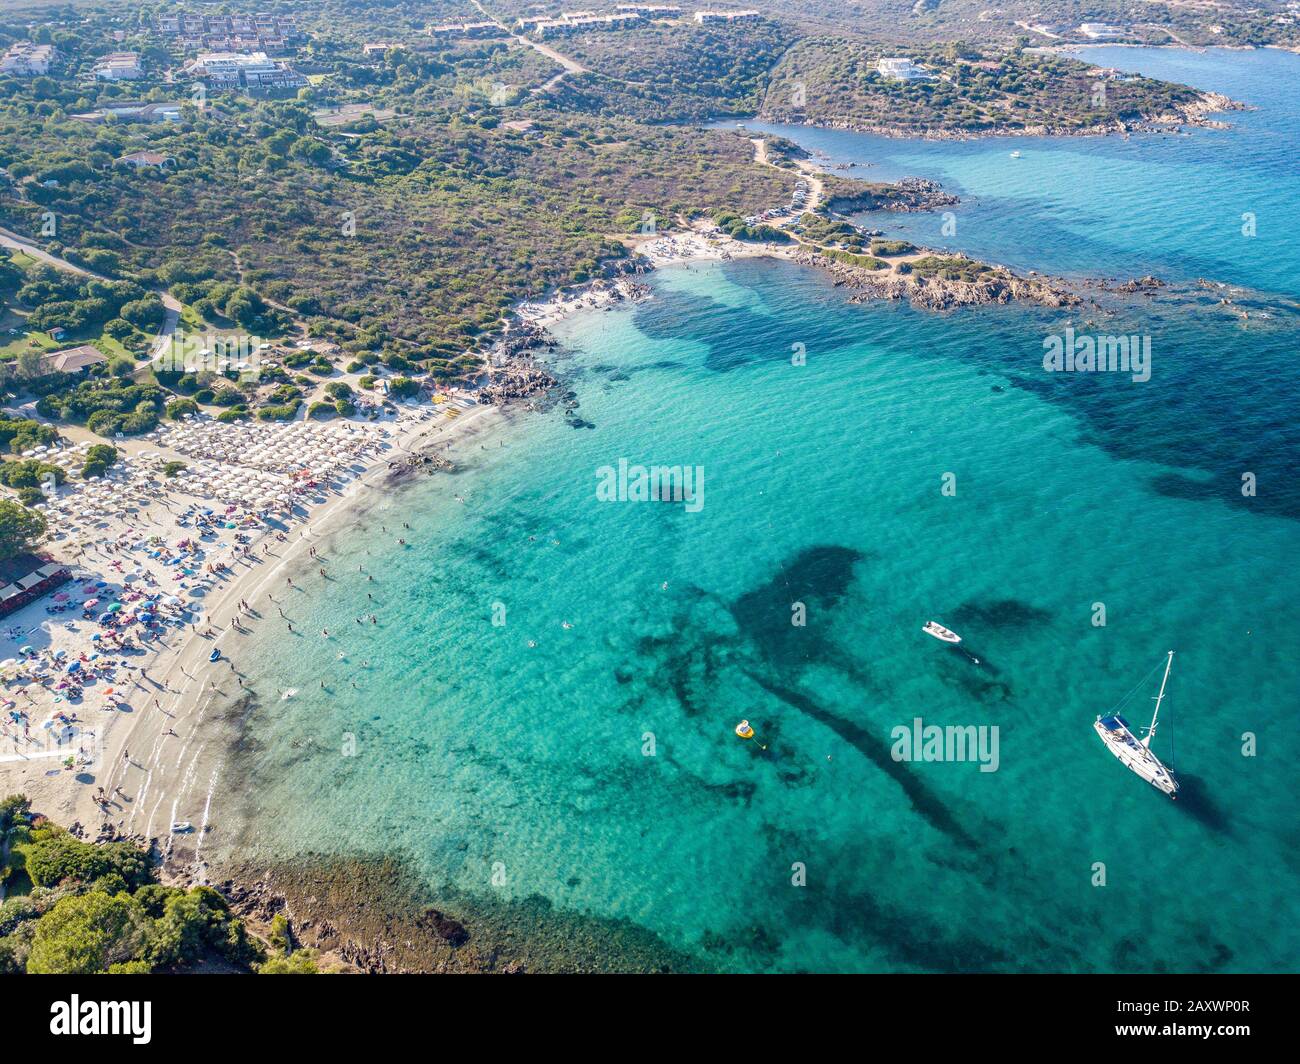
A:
(1015, 155)
(182, 826)
(937, 630)
(215, 655)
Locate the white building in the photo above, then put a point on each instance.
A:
(132, 111)
(901, 70)
(455, 30)
(1100, 30)
(705, 17)
(253, 70)
(119, 66)
(25, 59)
(579, 21)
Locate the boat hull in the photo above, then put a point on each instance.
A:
(1121, 742)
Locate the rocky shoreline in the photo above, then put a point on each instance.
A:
(998, 286)
(373, 915)
(909, 195)
(1194, 114)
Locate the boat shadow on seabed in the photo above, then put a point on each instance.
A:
(1194, 799)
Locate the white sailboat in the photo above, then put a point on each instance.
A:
(1136, 753)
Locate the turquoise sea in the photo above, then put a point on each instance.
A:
(596, 766)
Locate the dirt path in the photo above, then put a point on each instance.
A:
(816, 189)
(571, 66)
(171, 304)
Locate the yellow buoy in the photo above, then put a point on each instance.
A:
(744, 730)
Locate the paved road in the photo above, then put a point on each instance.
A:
(571, 66)
(173, 306)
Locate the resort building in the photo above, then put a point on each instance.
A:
(73, 360)
(652, 10)
(25, 59)
(1100, 30)
(132, 111)
(706, 17)
(581, 21)
(142, 160)
(253, 71)
(119, 66)
(459, 30)
(234, 33)
(901, 70)
(26, 577)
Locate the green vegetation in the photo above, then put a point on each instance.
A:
(106, 406)
(948, 268)
(892, 247)
(405, 202)
(821, 230)
(99, 908)
(866, 262)
(22, 434)
(412, 238)
(20, 528)
(179, 408)
(735, 226)
(98, 459)
(674, 71)
(974, 91)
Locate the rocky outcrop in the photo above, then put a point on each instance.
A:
(517, 381)
(1194, 112)
(909, 195)
(933, 293)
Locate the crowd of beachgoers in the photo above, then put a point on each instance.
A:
(179, 542)
(99, 676)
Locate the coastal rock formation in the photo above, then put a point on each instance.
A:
(376, 916)
(935, 293)
(906, 196)
(517, 381)
(1194, 113)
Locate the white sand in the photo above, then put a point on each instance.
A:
(702, 243)
(160, 696)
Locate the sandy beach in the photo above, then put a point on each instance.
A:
(103, 700)
(101, 718)
(704, 242)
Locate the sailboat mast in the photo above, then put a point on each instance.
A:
(1151, 731)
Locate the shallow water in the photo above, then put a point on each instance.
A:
(596, 765)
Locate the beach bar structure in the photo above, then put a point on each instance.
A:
(26, 578)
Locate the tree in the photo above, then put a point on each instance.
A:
(146, 313)
(30, 364)
(86, 934)
(302, 962)
(58, 857)
(19, 528)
